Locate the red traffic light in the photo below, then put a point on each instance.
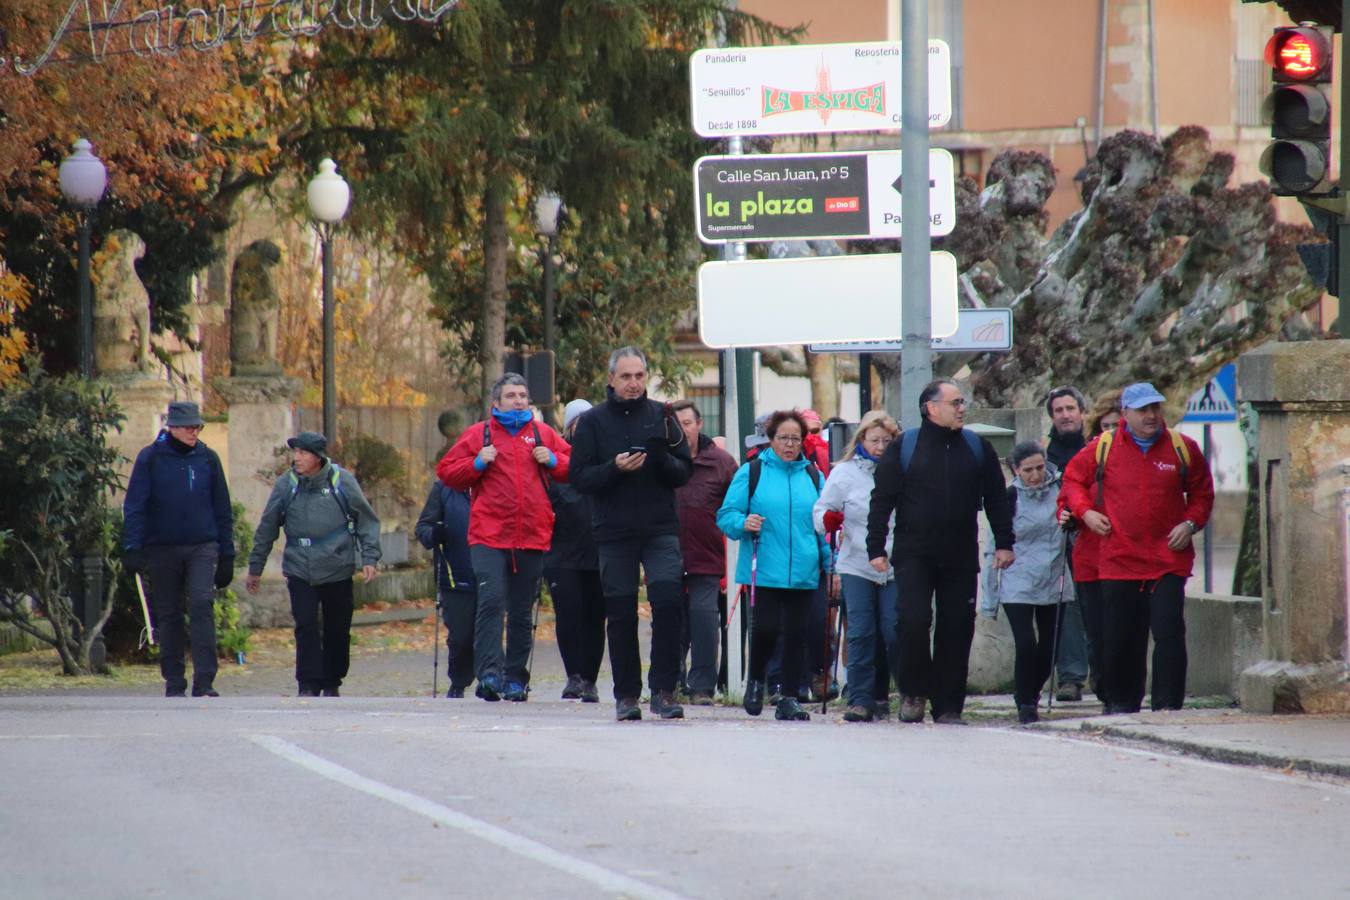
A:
(1299, 53)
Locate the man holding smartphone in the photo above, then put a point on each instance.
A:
(630, 455)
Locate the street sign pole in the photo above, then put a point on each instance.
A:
(1209, 532)
(916, 359)
(734, 370)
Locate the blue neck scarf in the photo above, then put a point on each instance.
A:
(512, 419)
(862, 451)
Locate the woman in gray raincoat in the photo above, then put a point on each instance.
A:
(1031, 589)
(328, 523)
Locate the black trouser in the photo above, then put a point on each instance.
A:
(322, 656)
(508, 583)
(812, 652)
(177, 573)
(459, 608)
(1132, 610)
(940, 673)
(579, 616)
(1033, 630)
(778, 610)
(699, 632)
(1090, 596)
(659, 557)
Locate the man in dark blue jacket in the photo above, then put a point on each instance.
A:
(443, 528)
(179, 531)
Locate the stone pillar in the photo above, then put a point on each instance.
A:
(144, 401)
(261, 419)
(1302, 393)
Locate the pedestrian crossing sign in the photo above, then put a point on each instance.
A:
(1216, 401)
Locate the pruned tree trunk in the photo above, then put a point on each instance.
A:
(495, 248)
(1165, 275)
(824, 384)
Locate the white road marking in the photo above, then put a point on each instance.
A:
(522, 846)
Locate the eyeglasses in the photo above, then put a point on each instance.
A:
(958, 402)
(188, 427)
(789, 438)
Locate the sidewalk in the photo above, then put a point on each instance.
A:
(1315, 744)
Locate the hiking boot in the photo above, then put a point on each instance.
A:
(858, 713)
(701, 698)
(307, 691)
(804, 694)
(881, 710)
(515, 692)
(754, 697)
(204, 690)
(789, 710)
(455, 693)
(912, 708)
(1027, 713)
(950, 718)
(175, 691)
(1069, 692)
(627, 710)
(664, 705)
(489, 689)
(588, 692)
(573, 689)
(329, 692)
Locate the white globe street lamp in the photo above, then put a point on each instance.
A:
(83, 179)
(547, 217)
(329, 196)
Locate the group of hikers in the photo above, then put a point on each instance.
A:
(633, 494)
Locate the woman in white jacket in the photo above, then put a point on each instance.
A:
(869, 596)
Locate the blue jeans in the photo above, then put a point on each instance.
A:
(1072, 657)
(871, 618)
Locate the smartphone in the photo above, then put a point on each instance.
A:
(638, 449)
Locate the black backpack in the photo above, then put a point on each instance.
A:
(757, 467)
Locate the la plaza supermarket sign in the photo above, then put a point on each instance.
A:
(810, 88)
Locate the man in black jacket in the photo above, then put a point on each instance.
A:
(936, 494)
(630, 455)
(443, 528)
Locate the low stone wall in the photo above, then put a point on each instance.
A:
(271, 606)
(1223, 638)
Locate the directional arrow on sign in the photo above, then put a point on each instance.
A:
(900, 180)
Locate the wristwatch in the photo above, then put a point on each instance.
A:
(1191, 525)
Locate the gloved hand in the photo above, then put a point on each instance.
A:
(133, 561)
(224, 572)
(834, 520)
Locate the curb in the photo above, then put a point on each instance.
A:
(1228, 755)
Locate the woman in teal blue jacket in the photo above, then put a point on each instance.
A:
(777, 515)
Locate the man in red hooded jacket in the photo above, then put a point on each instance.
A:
(505, 463)
(1151, 496)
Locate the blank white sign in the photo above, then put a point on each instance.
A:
(815, 300)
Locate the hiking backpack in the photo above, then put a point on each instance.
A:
(1104, 447)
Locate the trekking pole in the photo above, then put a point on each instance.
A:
(750, 610)
(829, 607)
(145, 611)
(436, 625)
(538, 602)
(1059, 618)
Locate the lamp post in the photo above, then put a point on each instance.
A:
(547, 215)
(328, 196)
(83, 179)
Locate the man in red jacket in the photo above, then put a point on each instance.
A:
(505, 463)
(1152, 491)
(704, 549)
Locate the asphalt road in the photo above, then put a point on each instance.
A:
(264, 796)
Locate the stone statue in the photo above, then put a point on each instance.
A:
(122, 308)
(254, 310)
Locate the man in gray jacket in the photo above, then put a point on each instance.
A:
(327, 522)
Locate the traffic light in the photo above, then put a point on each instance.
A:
(1298, 159)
